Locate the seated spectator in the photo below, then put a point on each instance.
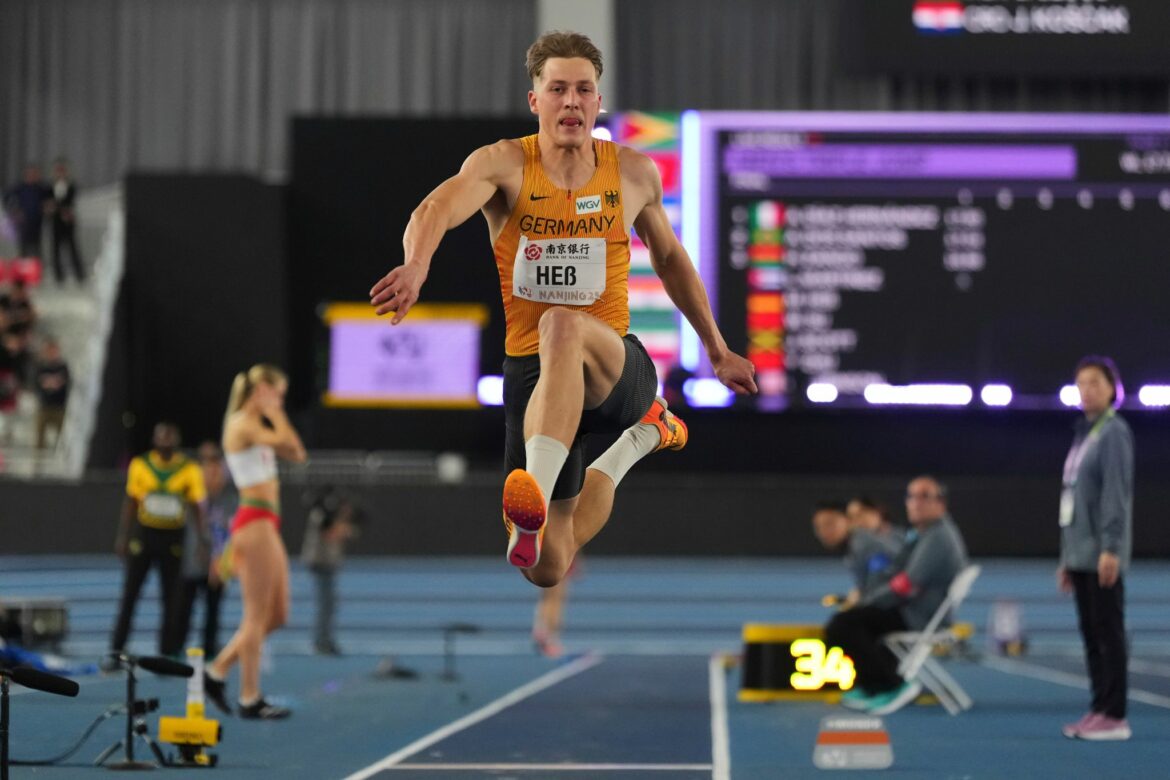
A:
(922, 572)
(867, 555)
(15, 356)
(13, 372)
(51, 383)
(18, 307)
(9, 395)
(5, 305)
(867, 512)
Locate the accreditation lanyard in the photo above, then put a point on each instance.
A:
(1072, 465)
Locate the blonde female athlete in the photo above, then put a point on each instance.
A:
(256, 432)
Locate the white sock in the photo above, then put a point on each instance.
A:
(249, 703)
(544, 457)
(635, 443)
(211, 673)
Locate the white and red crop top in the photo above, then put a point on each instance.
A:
(252, 466)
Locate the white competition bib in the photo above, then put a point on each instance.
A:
(1066, 507)
(163, 506)
(567, 271)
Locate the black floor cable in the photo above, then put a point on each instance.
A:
(111, 712)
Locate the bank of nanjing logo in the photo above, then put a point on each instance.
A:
(938, 18)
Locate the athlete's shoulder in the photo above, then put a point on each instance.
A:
(638, 169)
(635, 163)
(504, 156)
(239, 430)
(137, 470)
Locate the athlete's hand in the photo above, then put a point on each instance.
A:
(267, 398)
(1108, 569)
(398, 290)
(1063, 581)
(736, 373)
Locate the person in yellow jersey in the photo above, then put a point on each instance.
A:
(559, 206)
(162, 487)
(256, 431)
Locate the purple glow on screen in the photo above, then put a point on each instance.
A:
(432, 360)
(904, 161)
(1070, 396)
(996, 395)
(707, 393)
(918, 395)
(1154, 395)
(821, 392)
(490, 390)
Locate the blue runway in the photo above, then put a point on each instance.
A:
(639, 698)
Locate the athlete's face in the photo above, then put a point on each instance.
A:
(924, 502)
(165, 438)
(862, 516)
(831, 528)
(211, 461)
(566, 100)
(1096, 390)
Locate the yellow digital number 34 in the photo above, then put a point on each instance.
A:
(815, 667)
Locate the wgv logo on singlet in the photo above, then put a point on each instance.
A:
(588, 204)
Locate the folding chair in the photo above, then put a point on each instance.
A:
(914, 648)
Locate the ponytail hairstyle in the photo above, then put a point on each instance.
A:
(246, 381)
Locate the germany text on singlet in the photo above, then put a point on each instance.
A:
(564, 248)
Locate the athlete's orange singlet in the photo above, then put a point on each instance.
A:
(564, 248)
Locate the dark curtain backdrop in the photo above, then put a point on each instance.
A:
(209, 85)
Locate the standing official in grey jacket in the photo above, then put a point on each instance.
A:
(1096, 524)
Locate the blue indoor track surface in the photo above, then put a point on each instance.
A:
(644, 692)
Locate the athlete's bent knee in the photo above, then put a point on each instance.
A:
(558, 326)
(543, 578)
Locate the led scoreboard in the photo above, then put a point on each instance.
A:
(955, 259)
(791, 662)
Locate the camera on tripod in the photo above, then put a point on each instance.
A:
(190, 734)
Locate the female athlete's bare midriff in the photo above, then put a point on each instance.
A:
(268, 492)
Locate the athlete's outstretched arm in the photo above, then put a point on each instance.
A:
(681, 280)
(449, 205)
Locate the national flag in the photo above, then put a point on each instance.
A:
(766, 253)
(765, 304)
(764, 361)
(935, 18)
(767, 278)
(668, 168)
(645, 131)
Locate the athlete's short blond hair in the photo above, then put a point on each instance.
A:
(561, 43)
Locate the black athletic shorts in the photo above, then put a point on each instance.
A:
(627, 403)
